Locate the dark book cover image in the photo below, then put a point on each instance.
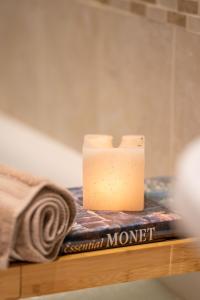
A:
(95, 230)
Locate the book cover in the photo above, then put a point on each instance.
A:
(95, 230)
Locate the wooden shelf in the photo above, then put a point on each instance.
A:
(78, 271)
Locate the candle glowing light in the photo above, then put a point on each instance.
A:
(113, 177)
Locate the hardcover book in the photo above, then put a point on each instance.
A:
(95, 230)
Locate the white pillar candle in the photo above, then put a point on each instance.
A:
(113, 177)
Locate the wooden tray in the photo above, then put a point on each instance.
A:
(78, 271)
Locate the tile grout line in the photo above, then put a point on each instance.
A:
(172, 101)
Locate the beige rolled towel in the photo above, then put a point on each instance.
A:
(35, 217)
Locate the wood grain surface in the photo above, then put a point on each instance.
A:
(84, 270)
(10, 283)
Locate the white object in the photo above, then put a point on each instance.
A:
(27, 149)
(187, 204)
(187, 188)
(113, 178)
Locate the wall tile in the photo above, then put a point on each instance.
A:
(171, 4)
(47, 66)
(104, 1)
(71, 32)
(71, 68)
(150, 1)
(122, 4)
(138, 8)
(156, 14)
(134, 83)
(193, 24)
(187, 89)
(174, 12)
(188, 6)
(176, 18)
(19, 39)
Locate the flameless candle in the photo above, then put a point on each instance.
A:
(113, 177)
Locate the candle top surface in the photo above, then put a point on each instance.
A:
(106, 141)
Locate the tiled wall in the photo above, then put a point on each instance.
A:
(184, 13)
(76, 67)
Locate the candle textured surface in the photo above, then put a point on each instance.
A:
(113, 177)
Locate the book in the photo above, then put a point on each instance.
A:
(95, 230)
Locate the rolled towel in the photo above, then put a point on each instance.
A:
(35, 217)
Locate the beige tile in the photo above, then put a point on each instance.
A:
(187, 89)
(134, 84)
(97, 1)
(193, 23)
(176, 18)
(171, 4)
(70, 81)
(156, 14)
(150, 1)
(71, 69)
(121, 4)
(104, 1)
(138, 8)
(188, 6)
(47, 74)
(19, 39)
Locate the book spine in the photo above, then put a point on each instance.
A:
(138, 236)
